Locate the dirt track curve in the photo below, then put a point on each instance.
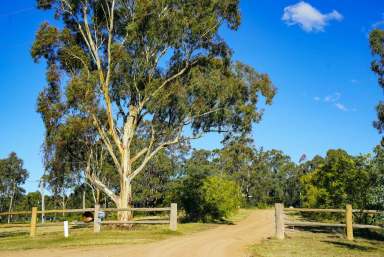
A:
(223, 241)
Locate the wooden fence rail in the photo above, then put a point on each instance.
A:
(280, 223)
(97, 222)
(87, 209)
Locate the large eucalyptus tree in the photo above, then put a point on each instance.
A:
(138, 75)
(376, 41)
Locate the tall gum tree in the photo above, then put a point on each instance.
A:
(137, 75)
(376, 42)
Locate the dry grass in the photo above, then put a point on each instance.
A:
(310, 244)
(17, 237)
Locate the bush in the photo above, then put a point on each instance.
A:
(208, 198)
(221, 197)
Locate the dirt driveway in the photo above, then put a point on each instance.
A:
(224, 241)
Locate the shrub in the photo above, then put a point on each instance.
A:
(221, 197)
(207, 198)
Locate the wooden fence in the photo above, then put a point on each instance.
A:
(281, 223)
(97, 223)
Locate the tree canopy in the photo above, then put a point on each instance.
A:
(13, 175)
(376, 40)
(132, 75)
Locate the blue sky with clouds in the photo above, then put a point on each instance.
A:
(316, 53)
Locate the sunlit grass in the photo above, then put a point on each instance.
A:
(17, 238)
(309, 244)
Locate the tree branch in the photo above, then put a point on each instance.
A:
(91, 176)
(107, 143)
(103, 81)
(152, 154)
(139, 154)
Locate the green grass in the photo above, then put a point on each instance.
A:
(47, 238)
(309, 244)
(17, 238)
(241, 215)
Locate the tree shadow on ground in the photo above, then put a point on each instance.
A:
(13, 233)
(370, 234)
(332, 231)
(351, 246)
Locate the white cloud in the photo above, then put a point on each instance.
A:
(379, 23)
(341, 107)
(354, 81)
(332, 98)
(308, 17)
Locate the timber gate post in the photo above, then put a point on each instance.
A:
(96, 220)
(32, 232)
(349, 221)
(173, 217)
(279, 221)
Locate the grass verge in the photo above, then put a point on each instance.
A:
(17, 238)
(310, 244)
(86, 237)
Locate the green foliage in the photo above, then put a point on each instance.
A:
(221, 197)
(265, 177)
(376, 40)
(187, 190)
(339, 179)
(376, 196)
(124, 74)
(153, 185)
(12, 176)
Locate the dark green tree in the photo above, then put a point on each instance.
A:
(273, 179)
(376, 197)
(376, 40)
(236, 160)
(13, 175)
(142, 71)
(153, 185)
(32, 199)
(221, 197)
(338, 179)
(187, 189)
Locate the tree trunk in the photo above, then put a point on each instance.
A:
(42, 193)
(63, 204)
(125, 201)
(97, 196)
(83, 198)
(10, 206)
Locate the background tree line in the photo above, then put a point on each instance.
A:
(210, 185)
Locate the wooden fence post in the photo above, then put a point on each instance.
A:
(279, 221)
(349, 221)
(173, 217)
(32, 232)
(96, 220)
(66, 229)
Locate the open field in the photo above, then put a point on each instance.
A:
(226, 240)
(310, 244)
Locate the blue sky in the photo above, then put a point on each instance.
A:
(316, 52)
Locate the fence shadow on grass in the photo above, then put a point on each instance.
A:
(370, 234)
(323, 230)
(5, 234)
(350, 246)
